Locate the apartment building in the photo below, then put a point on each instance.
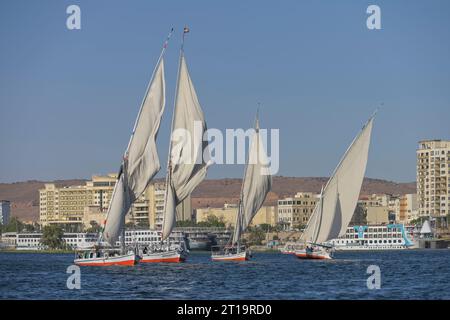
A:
(433, 179)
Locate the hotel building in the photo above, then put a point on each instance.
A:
(433, 179)
(82, 205)
(295, 212)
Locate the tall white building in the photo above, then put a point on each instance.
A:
(5, 211)
(433, 179)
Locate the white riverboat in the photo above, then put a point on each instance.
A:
(374, 237)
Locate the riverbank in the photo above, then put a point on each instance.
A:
(37, 251)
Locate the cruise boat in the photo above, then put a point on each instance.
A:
(33, 240)
(374, 237)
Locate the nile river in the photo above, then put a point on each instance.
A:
(411, 274)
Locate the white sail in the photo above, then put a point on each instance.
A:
(189, 154)
(118, 207)
(426, 228)
(141, 161)
(340, 196)
(256, 185)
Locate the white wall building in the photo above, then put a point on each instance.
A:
(433, 179)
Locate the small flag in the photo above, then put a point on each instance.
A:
(185, 30)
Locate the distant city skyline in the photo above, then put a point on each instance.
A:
(69, 98)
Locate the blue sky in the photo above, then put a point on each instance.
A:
(68, 99)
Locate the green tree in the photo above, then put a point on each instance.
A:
(30, 227)
(300, 227)
(212, 221)
(256, 236)
(130, 225)
(417, 222)
(14, 225)
(95, 227)
(52, 236)
(186, 224)
(266, 227)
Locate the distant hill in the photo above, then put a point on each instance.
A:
(24, 196)
(215, 193)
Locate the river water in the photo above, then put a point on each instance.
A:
(409, 274)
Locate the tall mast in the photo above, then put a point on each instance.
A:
(241, 196)
(169, 157)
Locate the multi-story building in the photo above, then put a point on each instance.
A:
(66, 205)
(408, 208)
(83, 205)
(227, 214)
(394, 206)
(5, 211)
(295, 212)
(155, 195)
(375, 211)
(433, 179)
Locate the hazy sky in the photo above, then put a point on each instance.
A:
(68, 99)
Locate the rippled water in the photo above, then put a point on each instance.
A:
(404, 275)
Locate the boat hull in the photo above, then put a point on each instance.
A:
(287, 251)
(318, 255)
(242, 256)
(123, 260)
(164, 257)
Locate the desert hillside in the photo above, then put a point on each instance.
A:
(25, 204)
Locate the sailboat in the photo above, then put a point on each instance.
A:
(338, 199)
(256, 185)
(187, 162)
(140, 164)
